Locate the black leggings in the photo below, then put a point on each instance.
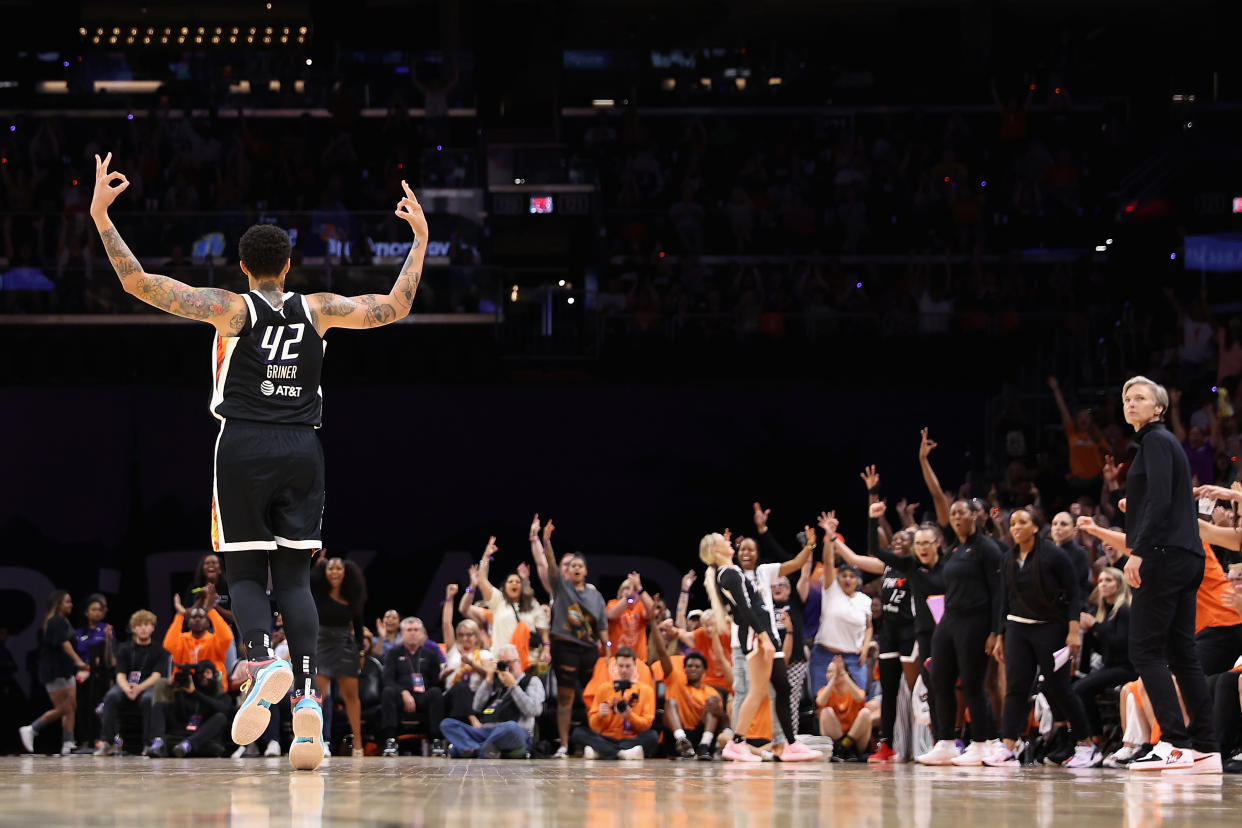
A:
(1029, 650)
(1227, 711)
(291, 587)
(924, 639)
(957, 649)
(1089, 687)
(780, 683)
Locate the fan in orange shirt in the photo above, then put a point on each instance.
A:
(843, 716)
(689, 703)
(199, 643)
(628, 614)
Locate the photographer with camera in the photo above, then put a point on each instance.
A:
(506, 703)
(622, 717)
(195, 719)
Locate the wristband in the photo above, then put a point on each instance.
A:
(685, 592)
(638, 591)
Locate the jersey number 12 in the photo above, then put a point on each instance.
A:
(272, 337)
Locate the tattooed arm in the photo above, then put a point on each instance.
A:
(330, 310)
(221, 308)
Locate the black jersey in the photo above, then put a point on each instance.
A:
(269, 373)
(896, 599)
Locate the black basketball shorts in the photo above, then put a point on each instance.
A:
(898, 640)
(268, 487)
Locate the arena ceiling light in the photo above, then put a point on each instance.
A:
(114, 33)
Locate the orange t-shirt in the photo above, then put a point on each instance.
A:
(690, 700)
(845, 705)
(613, 726)
(1214, 589)
(186, 649)
(1084, 454)
(605, 673)
(717, 675)
(629, 629)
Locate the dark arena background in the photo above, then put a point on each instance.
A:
(683, 257)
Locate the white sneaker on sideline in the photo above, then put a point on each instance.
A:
(632, 754)
(1003, 757)
(28, 736)
(1204, 763)
(273, 748)
(942, 753)
(1121, 757)
(588, 752)
(1084, 756)
(972, 756)
(1163, 756)
(562, 752)
(239, 753)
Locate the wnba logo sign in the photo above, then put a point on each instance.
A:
(267, 388)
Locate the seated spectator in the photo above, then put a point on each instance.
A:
(693, 711)
(412, 685)
(462, 669)
(140, 664)
(621, 716)
(200, 643)
(1106, 634)
(195, 720)
(505, 704)
(843, 717)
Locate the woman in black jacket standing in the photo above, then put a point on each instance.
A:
(1041, 617)
(1164, 570)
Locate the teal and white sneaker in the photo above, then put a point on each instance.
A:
(269, 682)
(307, 750)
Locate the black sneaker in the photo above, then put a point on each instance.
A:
(182, 749)
(684, 749)
(490, 751)
(390, 747)
(437, 748)
(703, 753)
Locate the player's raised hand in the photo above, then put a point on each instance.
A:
(107, 187)
(409, 210)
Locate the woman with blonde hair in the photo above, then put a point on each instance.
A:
(756, 635)
(1106, 632)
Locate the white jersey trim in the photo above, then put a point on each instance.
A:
(254, 315)
(215, 489)
(248, 546)
(220, 379)
(298, 544)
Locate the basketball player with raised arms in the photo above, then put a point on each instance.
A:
(268, 488)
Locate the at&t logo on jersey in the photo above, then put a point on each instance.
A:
(269, 389)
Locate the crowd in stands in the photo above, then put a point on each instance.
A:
(868, 628)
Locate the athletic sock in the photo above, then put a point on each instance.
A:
(707, 738)
(679, 733)
(37, 725)
(738, 738)
(259, 645)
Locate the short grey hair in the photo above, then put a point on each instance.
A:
(1158, 392)
(506, 652)
(410, 619)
